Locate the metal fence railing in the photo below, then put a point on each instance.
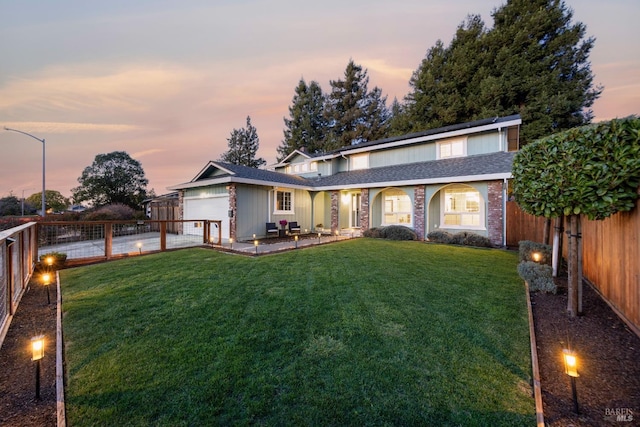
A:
(108, 239)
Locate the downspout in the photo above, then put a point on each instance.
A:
(505, 186)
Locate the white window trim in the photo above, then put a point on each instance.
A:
(275, 202)
(384, 212)
(449, 142)
(481, 211)
(364, 157)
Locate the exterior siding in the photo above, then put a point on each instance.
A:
(396, 156)
(485, 143)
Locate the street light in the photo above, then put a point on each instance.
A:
(43, 165)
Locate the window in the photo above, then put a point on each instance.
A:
(283, 202)
(452, 148)
(314, 166)
(360, 161)
(397, 208)
(463, 207)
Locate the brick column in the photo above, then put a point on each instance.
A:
(180, 228)
(233, 207)
(495, 215)
(364, 209)
(335, 210)
(419, 210)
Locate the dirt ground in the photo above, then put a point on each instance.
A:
(608, 352)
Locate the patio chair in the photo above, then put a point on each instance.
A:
(272, 229)
(294, 227)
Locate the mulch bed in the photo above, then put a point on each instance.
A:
(18, 405)
(609, 362)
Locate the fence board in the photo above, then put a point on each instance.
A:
(611, 255)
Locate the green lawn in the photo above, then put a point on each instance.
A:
(361, 332)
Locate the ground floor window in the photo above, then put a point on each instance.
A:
(283, 201)
(397, 208)
(463, 207)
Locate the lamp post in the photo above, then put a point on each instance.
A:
(37, 353)
(44, 207)
(571, 369)
(46, 281)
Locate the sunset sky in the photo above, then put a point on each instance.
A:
(167, 80)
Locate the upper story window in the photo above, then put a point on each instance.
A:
(452, 148)
(359, 161)
(283, 202)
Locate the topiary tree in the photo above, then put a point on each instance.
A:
(591, 170)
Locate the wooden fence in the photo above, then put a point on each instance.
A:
(18, 256)
(611, 255)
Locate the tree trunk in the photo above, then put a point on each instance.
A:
(572, 291)
(579, 237)
(546, 231)
(557, 245)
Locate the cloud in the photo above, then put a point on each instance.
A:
(55, 127)
(132, 88)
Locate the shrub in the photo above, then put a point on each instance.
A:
(399, 232)
(539, 276)
(439, 236)
(527, 248)
(391, 232)
(374, 232)
(111, 212)
(59, 258)
(470, 239)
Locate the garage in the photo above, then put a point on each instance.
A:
(213, 208)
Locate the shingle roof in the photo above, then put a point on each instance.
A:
(470, 167)
(247, 172)
(441, 130)
(478, 165)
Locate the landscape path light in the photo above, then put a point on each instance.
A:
(230, 242)
(571, 369)
(139, 246)
(37, 353)
(318, 237)
(46, 281)
(537, 256)
(255, 243)
(296, 239)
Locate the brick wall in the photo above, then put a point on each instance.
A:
(233, 207)
(335, 206)
(364, 209)
(495, 218)
(419, 211)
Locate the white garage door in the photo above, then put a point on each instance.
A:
(209, 208)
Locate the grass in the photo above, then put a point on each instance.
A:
(362, 332)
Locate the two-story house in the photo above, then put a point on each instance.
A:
(452, 178)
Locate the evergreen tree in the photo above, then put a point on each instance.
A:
(306, 128)
(243, 146)
(354, 114)
(542, 65)
(533, 62)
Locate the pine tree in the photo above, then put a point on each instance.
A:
(542, 65)
(354, 114)
(306, 128)
(533, 62)
(243, 146)
(445, 84)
